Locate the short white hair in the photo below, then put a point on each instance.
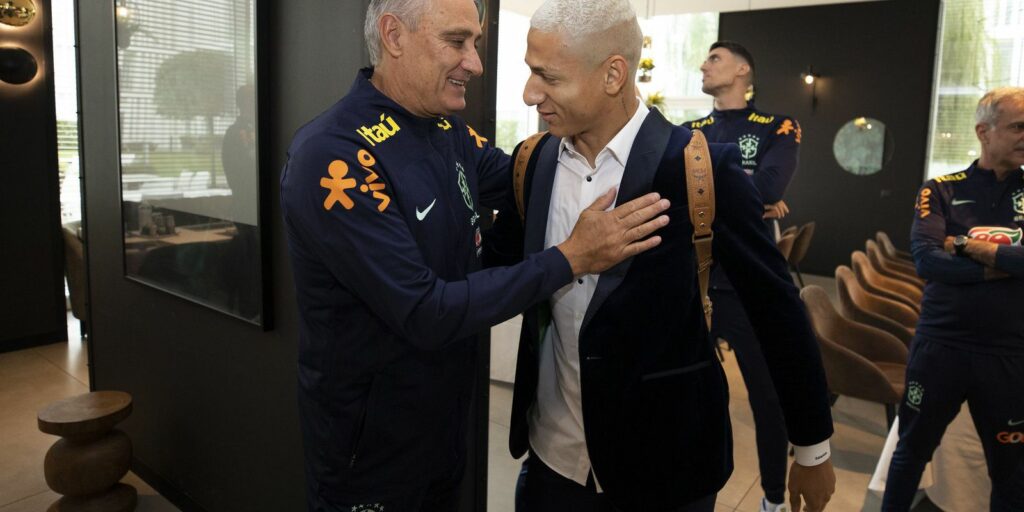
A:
(990, 105)
(409, 11)
(576, 20)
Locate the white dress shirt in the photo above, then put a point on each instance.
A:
(556, 418)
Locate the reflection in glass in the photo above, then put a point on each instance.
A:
(189, 172)
(863, 146)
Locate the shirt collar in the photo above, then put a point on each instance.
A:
(622, 143)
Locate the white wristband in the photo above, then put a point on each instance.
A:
(814, 454)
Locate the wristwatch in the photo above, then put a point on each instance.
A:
(960, 245)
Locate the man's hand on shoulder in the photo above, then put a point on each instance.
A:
(813, 485)
(601, 239)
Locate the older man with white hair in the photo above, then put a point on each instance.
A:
(969, 343)
(380, 198)
(619, 398)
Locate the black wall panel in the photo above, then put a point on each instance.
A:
(877, 60)
(32, 309)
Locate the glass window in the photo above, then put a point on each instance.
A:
(971, 61)
(66, 95)
(678, 45)
(515, 120)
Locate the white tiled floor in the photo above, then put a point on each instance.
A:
(29, 380)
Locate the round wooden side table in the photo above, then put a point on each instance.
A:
(88, 462)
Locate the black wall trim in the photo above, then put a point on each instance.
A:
(37, 340)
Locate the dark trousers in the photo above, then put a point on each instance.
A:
(939, 379)
(540, 489)
(731, 324)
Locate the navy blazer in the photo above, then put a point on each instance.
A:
(655, 398)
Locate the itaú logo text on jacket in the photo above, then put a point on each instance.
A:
(380, 132)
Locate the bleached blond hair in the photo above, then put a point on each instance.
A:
(579, 21)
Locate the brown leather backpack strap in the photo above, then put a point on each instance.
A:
(522, 161)
(700, 190)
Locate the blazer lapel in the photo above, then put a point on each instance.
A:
(540, 197)
(637, 180)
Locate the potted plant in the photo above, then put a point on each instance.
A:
(646, 65)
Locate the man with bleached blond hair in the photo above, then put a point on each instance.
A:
(619, 398)
(380, 198)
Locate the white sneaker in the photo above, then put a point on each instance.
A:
(767, 506)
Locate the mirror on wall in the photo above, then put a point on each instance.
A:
(863, 146)
(189, 150)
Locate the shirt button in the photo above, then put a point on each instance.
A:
(580, 281)
(590, 178)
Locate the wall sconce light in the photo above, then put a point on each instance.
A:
(810, 77)
(17, 66)
(17, 13)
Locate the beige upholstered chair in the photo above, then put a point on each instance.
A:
(800, 246)
(860, 361)
(74, 269)
(879, 284)
(785, 245)
(859, 305)
(890, 250)
(894, 269)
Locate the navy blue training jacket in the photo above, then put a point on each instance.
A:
(380, 209)
(769, 145)
(960, 307)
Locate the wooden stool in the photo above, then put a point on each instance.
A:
(88, 462)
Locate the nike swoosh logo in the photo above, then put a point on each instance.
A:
(1015, 423)
(958, 202)
(422, 215)
(819, 457)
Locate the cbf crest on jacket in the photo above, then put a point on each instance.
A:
(769, 145)
(380, 209)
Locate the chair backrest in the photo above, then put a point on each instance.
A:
(905, 266)
(857, 304)
(74, 268)
(802, 242)
(883, 285)
(890, 250)
(871, 342)
(789, 230)
(847, 372)
(890, 268)
(785, 245)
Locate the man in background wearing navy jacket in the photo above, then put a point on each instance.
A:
(969, 343)
(379, 198)
(769, 146)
